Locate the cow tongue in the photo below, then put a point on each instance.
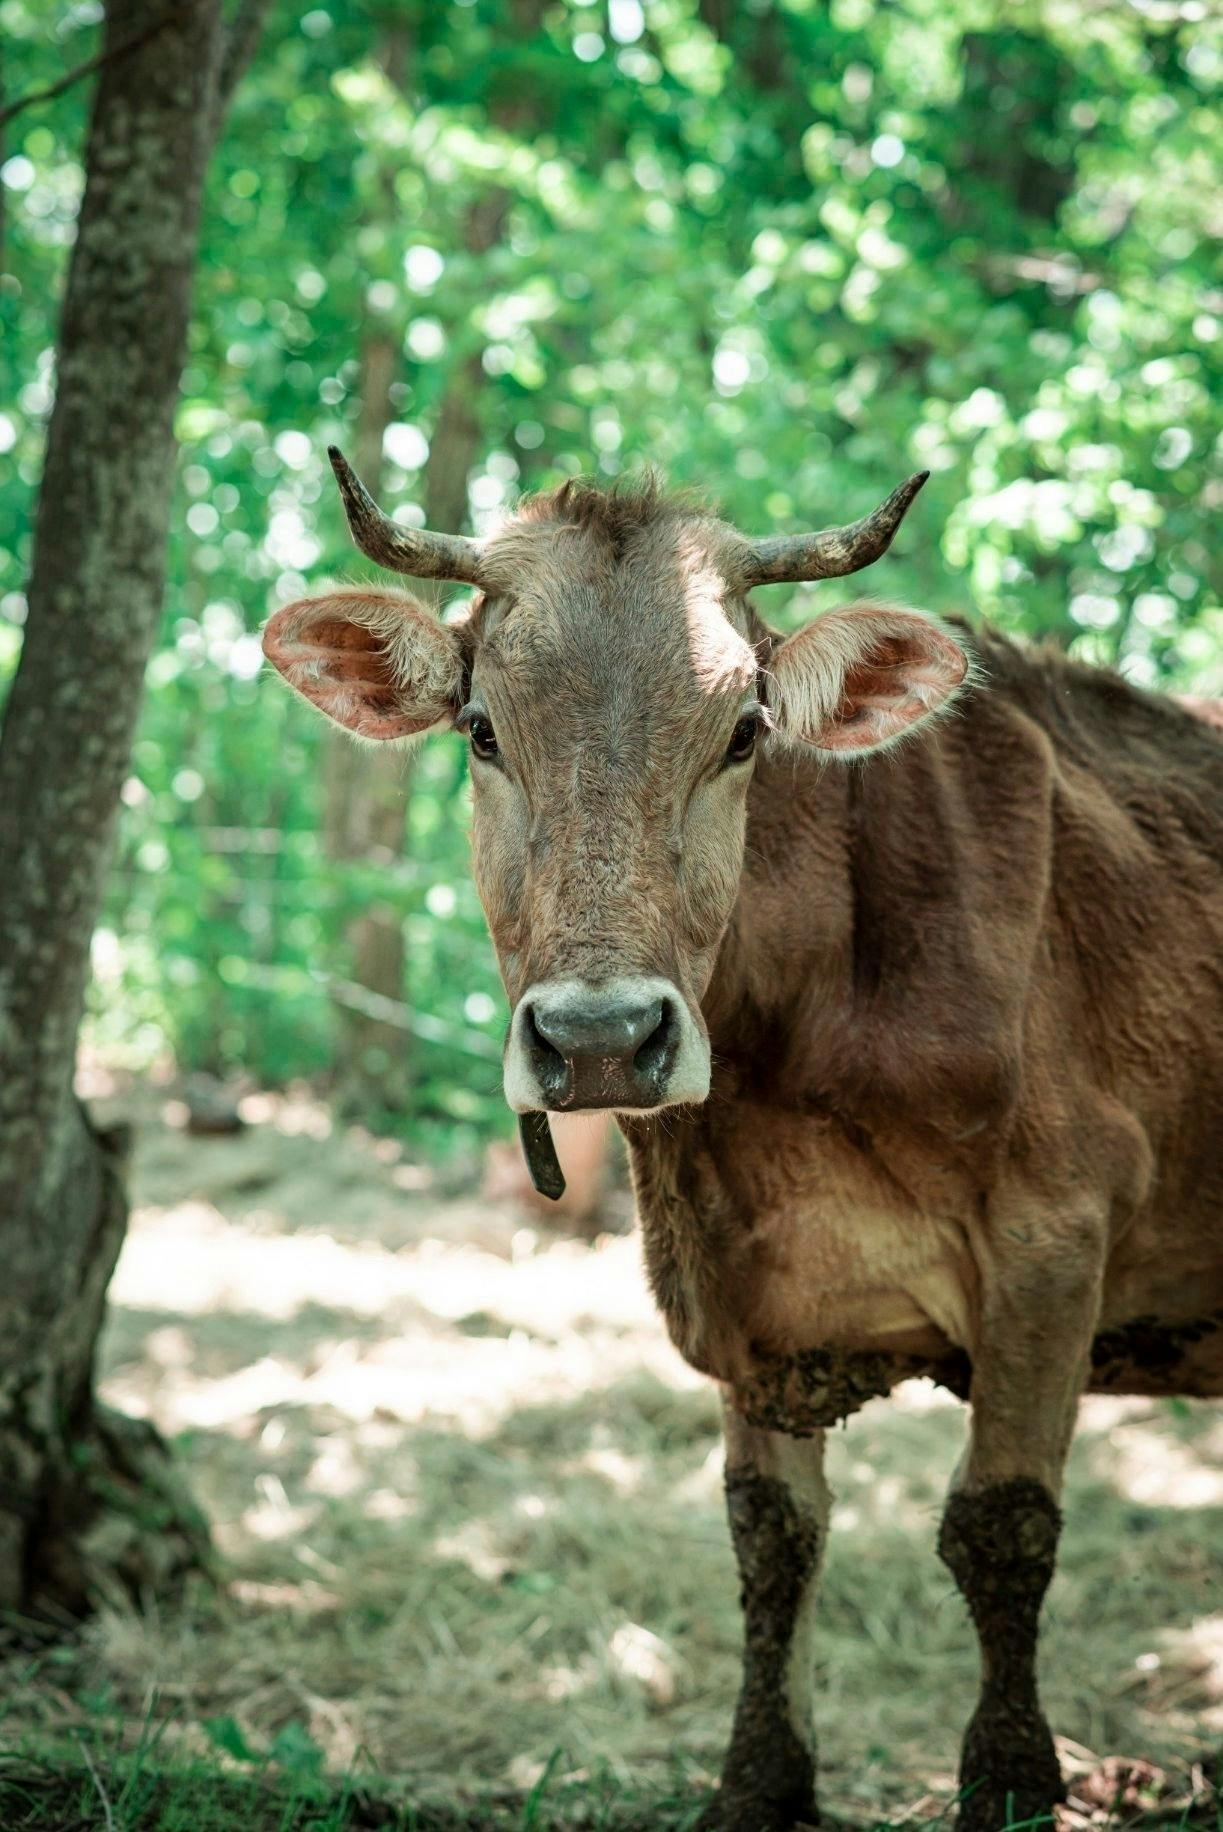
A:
(540, 1154)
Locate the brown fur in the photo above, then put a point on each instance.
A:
(966, 1109)
(964, 1005)
(990, 972)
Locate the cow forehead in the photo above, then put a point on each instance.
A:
(659, 610)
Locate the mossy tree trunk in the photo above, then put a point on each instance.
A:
(365, 789)
(368, 791)
(89, 1503)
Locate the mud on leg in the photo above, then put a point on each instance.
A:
(778, 1506)
(1000, 1544)
(1000, 1529)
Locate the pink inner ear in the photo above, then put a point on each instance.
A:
(898, 681)
(343, 668)
(1210, 712)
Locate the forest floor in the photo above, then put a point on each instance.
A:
(467, 1501)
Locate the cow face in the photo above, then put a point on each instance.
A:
(613, 684)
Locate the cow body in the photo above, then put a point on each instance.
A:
(966, 1121)
(969, 1001)
(919, 1056)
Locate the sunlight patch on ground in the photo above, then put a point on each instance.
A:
(1197, 1652)
(540, 1318)
(1145, 1465)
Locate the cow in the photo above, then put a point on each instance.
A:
(896, 950)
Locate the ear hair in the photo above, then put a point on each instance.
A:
(864, 677)
(391, 689)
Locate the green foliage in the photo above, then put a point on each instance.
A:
(787, 251)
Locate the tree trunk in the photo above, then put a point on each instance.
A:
(3, 188)
(366, 798)
(88, 1500)
(367, 791)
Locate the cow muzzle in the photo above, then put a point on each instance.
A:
(628, 1044)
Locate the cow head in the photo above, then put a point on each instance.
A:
(613, 682)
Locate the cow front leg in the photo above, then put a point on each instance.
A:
(1000, 1544)
(1000, 1532)
(778, 1505)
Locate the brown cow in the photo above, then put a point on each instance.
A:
(938, 1033)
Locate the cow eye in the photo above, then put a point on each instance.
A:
(483, 738)
(743, 739)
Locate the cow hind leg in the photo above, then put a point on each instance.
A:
(778, 1506)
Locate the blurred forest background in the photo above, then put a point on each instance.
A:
(465, 1499)
(787, 251)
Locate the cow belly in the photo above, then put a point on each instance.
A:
(849, 1302)
(1161, 1331)
(831, 1239)
(860, 1278)
(1150, 1356)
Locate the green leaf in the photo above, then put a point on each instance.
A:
(295, 1750)
(225, 1733)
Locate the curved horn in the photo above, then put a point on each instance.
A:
(833, 551)
(406, 550)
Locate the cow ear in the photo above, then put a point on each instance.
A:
(377, 663)
(860, 678)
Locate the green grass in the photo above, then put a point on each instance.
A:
(79, 1789)
(94, 1784)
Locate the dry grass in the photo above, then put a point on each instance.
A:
(469, 1503)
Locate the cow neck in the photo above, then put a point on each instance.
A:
(851, 977)
(790, 944)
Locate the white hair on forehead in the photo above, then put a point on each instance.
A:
(720, 655)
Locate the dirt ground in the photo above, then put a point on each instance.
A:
(468, 1500)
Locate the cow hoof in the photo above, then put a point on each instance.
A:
(1025, 1807)
(736, 1813)
(1009, 1776)
(1010, 1812)
(757, 1819)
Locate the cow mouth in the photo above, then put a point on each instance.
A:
(623, 1075)
(629, 1044)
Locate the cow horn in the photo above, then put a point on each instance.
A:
(833, 551)
(417, 551)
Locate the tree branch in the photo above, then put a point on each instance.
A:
(242, 36)
(91, 64)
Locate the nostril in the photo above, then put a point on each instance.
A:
(537, 1034)
(655, 1055)
(640, 1025)
(550, 1064)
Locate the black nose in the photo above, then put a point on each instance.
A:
(614, 1051)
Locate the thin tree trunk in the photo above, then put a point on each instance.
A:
(367, 792)
(88, 1499)
(3, 188)
(365, 804)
